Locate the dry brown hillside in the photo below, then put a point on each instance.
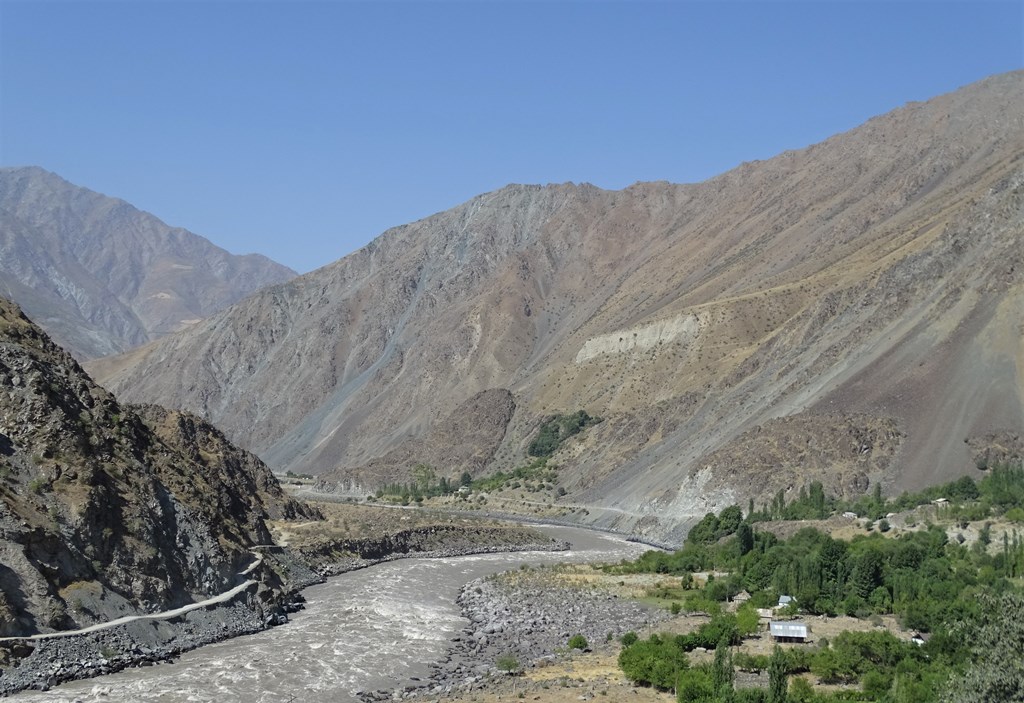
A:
(868, 286)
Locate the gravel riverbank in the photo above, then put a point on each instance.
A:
(527, 616)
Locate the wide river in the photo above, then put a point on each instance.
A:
(364, 630)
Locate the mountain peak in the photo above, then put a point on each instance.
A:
(103, 276)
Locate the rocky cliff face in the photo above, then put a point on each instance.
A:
(101, 276)
(105, 510)
(873, 283)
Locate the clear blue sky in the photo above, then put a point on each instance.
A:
(301, 130)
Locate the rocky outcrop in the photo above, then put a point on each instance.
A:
(103, 516)
(845, 453)
(100, 276)
(877, 274)
(235, 481)
(1002, 448)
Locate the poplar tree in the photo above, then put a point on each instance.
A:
(778, 676)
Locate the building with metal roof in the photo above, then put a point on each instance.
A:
(789, 631)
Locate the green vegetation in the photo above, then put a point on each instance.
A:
(655, 661)
(538, 475)
(1001, 491)
(578, 642)
(558, 429)
(969, 599)
(425, 484)
(996, 672)
(507, 663)
(778, 675)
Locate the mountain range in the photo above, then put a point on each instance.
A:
(849, 313)
(101, 276)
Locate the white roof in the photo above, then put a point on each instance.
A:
(788, 629)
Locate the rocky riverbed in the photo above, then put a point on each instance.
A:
(528, 616)
(42, 664)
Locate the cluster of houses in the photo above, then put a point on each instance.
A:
(794, 631)
(780, 630)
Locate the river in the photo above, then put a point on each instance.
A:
(364, 630)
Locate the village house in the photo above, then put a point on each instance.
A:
(789, 631)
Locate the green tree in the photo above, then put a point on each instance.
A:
(508, 664)
(996, 674)
(705, 531)
(745, 538)
(830, 667)
(747, 619)
(800, 691)
(729, 520)
(655, 661)
(723, 674)
(778, 676)
(695, 686)
(424, 475)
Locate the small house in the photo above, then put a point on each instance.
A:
(919, 638)
(850, 515)
(739, 599)
(789, 631)
(765, 613)
(784, 601)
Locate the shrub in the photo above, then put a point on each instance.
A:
(507, 663)
(578, 642)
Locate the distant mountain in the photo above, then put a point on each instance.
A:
(108, 510)
(849, 312)
(101, 276)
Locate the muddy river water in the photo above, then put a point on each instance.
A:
(364, 630)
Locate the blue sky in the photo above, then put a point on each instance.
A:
(301, 130)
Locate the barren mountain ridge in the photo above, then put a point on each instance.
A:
(850, 312)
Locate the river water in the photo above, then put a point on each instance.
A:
(364, 630)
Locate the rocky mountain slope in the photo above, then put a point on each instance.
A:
(861, 298)
(102, 277)
(465, 441)
(107, 510)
